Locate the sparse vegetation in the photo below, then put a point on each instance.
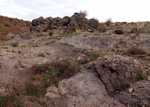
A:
(48, 53)
(2, 38)
(123, 87)
(34, 89)
(140, 75)
(42, 55)
(14, 44)
(6, 24)
(86, 45)
(108, 22)
(134, 50)
(54, 72)
(94, 54)
(13, 25)
(112, 49)
(83, 13)
(9, 101)
(101, 28)
(1, 26)
(42, 103)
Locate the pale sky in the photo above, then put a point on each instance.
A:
(117, 10)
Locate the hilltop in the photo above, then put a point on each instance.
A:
(76, 62)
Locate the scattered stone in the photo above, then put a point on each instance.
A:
(52, 92)
(19, 52)
(141, 95)
(131, 90)
(10, 36)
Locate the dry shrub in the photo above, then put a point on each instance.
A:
(14, 44)
(9, 101)
(83, 13)
(108, 22)
(101, 28)
(119, 31)
(33, 89)
(56, 71)
(134, 50)
(39, 77)
(40, 68)
(94, 54)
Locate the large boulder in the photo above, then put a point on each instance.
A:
(93, 23)
(38, 21)
(39, 25)
(57, 22)
(83, 90)
(117, 72)
(66, 20)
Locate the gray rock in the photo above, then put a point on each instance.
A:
(10, 35)
(83, 90)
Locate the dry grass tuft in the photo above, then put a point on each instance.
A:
(14, 44)
(94, 54)
(134, 50)
(83, 13)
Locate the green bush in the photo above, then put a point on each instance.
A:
(94, 54)
(140, 75)
(10, 101)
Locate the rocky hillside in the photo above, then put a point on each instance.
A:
(10, 27)
(76, 62)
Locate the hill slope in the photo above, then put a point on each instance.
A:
(12, 25)
(63, 64)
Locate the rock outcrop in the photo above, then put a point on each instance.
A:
(83, 90)
(117, 72)
(65, 25)
(96, 89)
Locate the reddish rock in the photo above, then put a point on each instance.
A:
(117, 72)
